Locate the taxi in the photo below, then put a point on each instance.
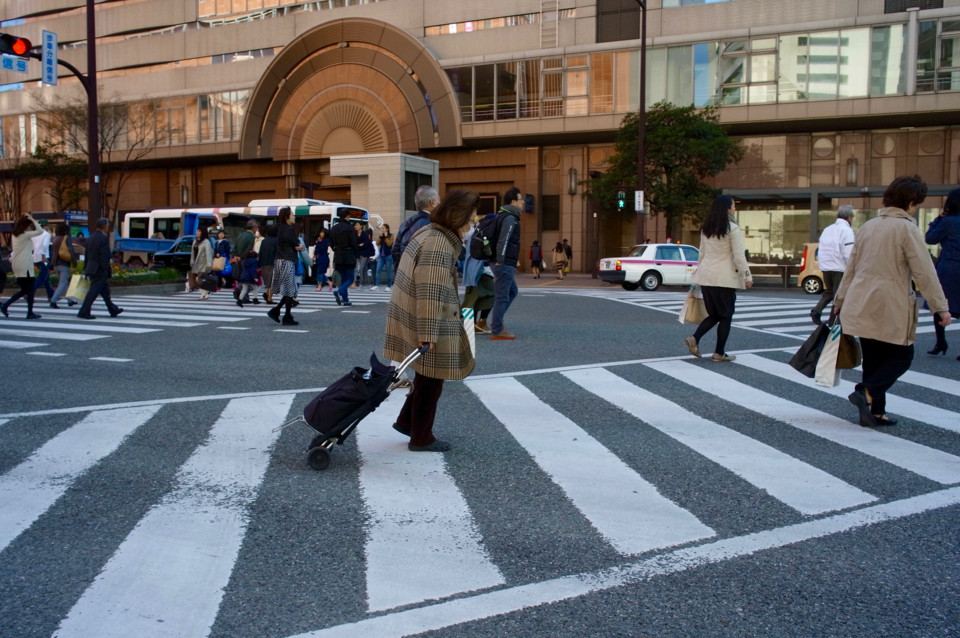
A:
(650, 266)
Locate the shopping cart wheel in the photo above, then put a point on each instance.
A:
(318, 457)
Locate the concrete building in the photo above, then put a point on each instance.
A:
(246, 99)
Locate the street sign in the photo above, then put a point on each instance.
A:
(638, 201)
(15, 64)
(49, 59)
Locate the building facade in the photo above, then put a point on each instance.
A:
(241, 99)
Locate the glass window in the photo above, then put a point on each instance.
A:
(576, 93)
(601, 83)
(704, 73)
(680, 75)
(887, 60)
(507, 90)
(627, 85)
(528, 88)
(668, 253)
(691, 254)
(792, 73)
(926, 56)
(763, 68)
(854, 63)
(462, 80)
(656, 79)
(823, 65)
(551, 89)
(483, 91)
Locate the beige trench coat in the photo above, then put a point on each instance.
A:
(723, 261)
(875, 297)
(425, 307)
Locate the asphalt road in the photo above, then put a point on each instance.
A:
(602, 481)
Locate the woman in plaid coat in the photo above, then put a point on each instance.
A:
(425, 309)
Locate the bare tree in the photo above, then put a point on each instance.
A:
(13, 182)
(128, 133)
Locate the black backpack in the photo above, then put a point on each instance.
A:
(483, 243)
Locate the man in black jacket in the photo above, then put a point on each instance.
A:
(343, 240)
(97, 269)
(505, 261)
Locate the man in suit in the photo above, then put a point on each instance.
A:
(97, 269)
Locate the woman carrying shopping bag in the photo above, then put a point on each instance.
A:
(559, 259)
(721, 272)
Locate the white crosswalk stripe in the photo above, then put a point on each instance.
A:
(422, 541)
(143, 314)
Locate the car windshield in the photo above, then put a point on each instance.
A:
(637, 251)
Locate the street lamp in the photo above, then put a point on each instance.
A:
(641, 124)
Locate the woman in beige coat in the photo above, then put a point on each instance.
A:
(425, 310)
(876, 301)
(201, 257)
(722, 271)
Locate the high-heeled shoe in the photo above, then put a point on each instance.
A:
(940, 348)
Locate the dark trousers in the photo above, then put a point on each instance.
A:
(883, 364)
(43, 278)
(99, 286)
(420, 409)
(721, 303)
(26, 291)
(831, 282)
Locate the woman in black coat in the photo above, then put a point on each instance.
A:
(284, 268)
(945, 230)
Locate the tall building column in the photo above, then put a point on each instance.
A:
(291, 176)
(913, 41)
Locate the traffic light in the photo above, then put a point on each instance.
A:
(12, 45)
(621, 200)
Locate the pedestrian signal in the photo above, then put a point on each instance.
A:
(12, 45)
(621, 200)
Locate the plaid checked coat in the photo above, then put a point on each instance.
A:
(425, 306)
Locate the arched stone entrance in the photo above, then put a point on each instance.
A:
(346, 87)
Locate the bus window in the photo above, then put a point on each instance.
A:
(137, 226)
(168, 226)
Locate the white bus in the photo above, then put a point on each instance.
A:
(167, 221)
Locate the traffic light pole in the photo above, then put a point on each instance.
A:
(89, 83)
(641, 228)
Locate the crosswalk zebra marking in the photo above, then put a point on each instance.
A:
(47, 354)
(19, 345)
(799, 485)
(624, 508)
(422, 542)
(932, 382)
(33, 486)
(41, 334)
(438, 616)
(927, 462)
(96, 327)
(929, 414)
(168, 576)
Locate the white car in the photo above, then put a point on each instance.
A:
(650, 266)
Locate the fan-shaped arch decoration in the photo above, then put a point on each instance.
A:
(342, 128)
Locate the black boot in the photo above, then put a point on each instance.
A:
(941, 345)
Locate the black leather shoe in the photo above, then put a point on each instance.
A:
(859, 398)
(86, 317)
(33, 315)
(289, 321)
(116, 313)
(3, 309)
(336, 296)
(436, 446)
(274, 313)
(401, 430)
(884, 420)
(54, 305)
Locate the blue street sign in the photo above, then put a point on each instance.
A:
(49, 59)
(12, 63)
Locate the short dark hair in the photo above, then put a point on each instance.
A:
(952, 205)
(102, 222)
(904, 191)
(284, 214)
(456, 209)
(512, 195)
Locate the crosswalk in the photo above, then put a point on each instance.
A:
(589, 441)
(149, 314)
(786, 315)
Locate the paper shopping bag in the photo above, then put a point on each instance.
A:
(805, 359)
(827, 374)
(79, 287)
(468, 326)
(693, 310)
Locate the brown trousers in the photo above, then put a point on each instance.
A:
(420, 409)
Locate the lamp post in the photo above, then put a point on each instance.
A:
(641, 125)
(93, 116)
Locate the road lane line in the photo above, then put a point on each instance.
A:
(799, 485)
(513, 599)
(621, 505)
(928, 462)
(32, 487)
(85, 325)
(914, 410)
(20, 344)
(168, 577)
(422, 542)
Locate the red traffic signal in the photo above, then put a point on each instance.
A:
(12, 45)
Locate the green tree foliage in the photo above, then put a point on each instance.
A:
(684, 146)
(63, 173)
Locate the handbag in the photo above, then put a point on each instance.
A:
(208, 281)
(694, 310)
(849, 355)
(79, 287)
(469, 327)
(805, 359)
(5, 265)
(63, 252)
(219, 263)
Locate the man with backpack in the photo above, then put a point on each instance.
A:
(505, 256)
(425, 199)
